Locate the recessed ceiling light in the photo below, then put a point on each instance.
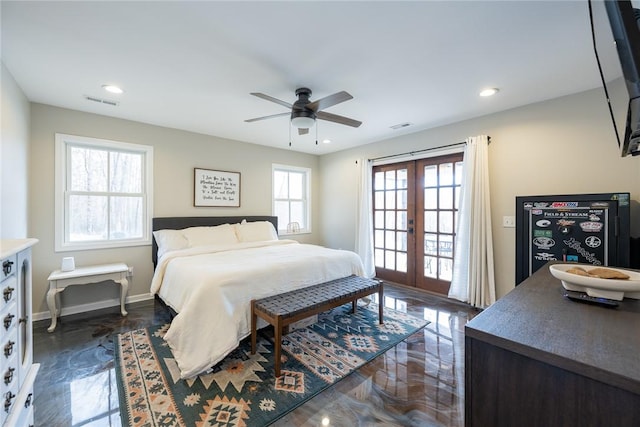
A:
(326, 141)
(112, 88)
(489, 91)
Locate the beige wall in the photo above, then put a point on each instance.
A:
(13, 158)
(561, 146)
(176, 154)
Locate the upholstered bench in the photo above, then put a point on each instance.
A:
(283, 309)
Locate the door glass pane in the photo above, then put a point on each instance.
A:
(457, 198)
(402, 220)
(431, 267)
(379, 199)
(402, 262)
(431, 221)
(402, 199)
(446, 222)
(446, 174)
(430, 176)
(391, 219)
(446, 269)
(379, 258)
(401, 180)
(401, 241)
(378, 219)
(389, 260)
(391, 199)
(446, 198)
(390, 239)
(430, 244)
(445, 245)
(378, 181)
(390, 180)
(431, 198)
(459, 172)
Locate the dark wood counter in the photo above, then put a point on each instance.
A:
(536, 358)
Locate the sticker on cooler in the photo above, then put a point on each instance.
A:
(545, 256)
(591, 227)
(593, 241)
(544, 242)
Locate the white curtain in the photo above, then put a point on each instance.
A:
(473, 278)
(364, 228)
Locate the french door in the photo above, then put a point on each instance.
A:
(415, 213)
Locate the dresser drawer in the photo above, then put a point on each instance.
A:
(10, 374)
(8, 267)
(8, 317)
(9, 345)
(9, 292)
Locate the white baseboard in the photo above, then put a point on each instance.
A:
(83, 308)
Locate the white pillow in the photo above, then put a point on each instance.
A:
(170, 240)
(257, 231)
(217, 235)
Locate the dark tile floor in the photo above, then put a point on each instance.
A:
(420, 382)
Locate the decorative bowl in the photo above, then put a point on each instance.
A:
(596, 287)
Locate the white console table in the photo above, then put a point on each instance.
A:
(59, 280)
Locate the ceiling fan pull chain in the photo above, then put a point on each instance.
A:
(316, 133)
(289, 133)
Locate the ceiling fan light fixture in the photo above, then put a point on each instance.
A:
(302, 122)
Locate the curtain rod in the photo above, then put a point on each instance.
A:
(421, 151)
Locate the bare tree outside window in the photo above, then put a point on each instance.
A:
(104, 191)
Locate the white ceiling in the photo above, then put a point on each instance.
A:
(192, 65)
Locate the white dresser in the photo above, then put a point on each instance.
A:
(17, 370)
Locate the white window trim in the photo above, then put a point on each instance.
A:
(282, 228)
(61, 176)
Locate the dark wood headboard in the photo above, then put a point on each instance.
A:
(180, 222)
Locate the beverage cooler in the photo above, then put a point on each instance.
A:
(583, 228)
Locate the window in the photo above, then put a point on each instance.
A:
(103, 193)
(292, 198)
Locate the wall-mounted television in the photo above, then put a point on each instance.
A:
(615, 28)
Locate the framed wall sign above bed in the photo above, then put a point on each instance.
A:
(216, 188)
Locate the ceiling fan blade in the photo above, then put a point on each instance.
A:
(303, 131)
(271, 98)
(337, 119)
(267, 117)
(328, 101)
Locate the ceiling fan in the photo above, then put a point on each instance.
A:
(304, 112)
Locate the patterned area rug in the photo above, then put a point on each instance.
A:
(241, 390)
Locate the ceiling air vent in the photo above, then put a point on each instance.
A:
(101, 101)
(401, 125)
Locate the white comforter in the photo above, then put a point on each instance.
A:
(211, 287)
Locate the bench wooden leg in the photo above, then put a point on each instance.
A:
(354, 305)
(277, 344)
(380, 303)
(254, 324)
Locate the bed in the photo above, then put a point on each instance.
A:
(208, 269)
